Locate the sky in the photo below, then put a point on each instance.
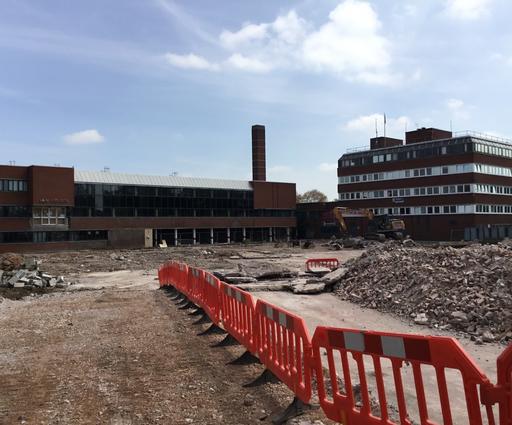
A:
(167, 86)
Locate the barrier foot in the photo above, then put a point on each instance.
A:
(226, 342)
(245, 359)
(182, 302)
(178, 297)
(213, 330)
(171, 290)
(203, 319)
(296, 408)
(198, 312)
(266, 377)
(186, 306)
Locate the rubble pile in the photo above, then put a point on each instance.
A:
(467, 289)
(19, 272)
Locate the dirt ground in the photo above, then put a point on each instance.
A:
(113, 349)
(122, 356)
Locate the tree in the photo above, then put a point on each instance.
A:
(311, 196)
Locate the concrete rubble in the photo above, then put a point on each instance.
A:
(278, 279)
(468, 289)
(19, 272)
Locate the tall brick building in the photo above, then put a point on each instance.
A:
(444, 186)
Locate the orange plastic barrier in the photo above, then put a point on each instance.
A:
(211, 297)
(331, 263)
(195, 285)
(411, 351)
(239, 315)
(502, 392)
(180, 275)
(284, 347)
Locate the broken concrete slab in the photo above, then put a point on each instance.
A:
(17, 276)
(266, 286)
(335, 276)
(309, 288)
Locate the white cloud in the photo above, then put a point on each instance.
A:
(290, 28)
(248, 33)
(248, 64)
(350, 43)
(395, 127)
(328, 167)
(85, 137)
(190, 61)
(467, 9)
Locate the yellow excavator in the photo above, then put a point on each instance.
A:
(380, 227)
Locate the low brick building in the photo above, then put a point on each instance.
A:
(62, 208)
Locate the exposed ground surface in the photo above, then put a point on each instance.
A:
(122, 357)
(113, 349)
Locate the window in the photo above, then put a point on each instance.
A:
(445, 189)
(446, 209)
(429, 171)
(422, 172)
(436, 210)
(429, 210)
(407, 173)
(444, 170)
(467, 188)
(429, 190)
(416, 173)
(436, 190)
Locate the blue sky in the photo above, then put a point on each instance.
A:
(162, 86)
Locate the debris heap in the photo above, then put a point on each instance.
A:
(19, 272)
(466, 289)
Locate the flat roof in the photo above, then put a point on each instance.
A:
(107, 177)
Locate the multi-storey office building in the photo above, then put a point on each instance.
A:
(444, 186)
(59, 208)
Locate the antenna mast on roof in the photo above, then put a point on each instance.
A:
(384, 125)
(376, 130)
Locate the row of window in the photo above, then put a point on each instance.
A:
(177, 212)
(490, 189)
(403, 153)
(426, 172)
(40, 237)
(89, 189)
(455, 146)
(14, 211)
(13, 185)
(406, 192)
(493, 149)
(445, 209)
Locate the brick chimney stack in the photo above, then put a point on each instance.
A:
(258, 153)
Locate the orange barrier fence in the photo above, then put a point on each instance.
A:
(403, 355)
(195, 285)
(362, 377)
(211, 299)
(331, 263)
(239, 315)
(284, 347)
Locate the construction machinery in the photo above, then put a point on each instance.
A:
(379, 227)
